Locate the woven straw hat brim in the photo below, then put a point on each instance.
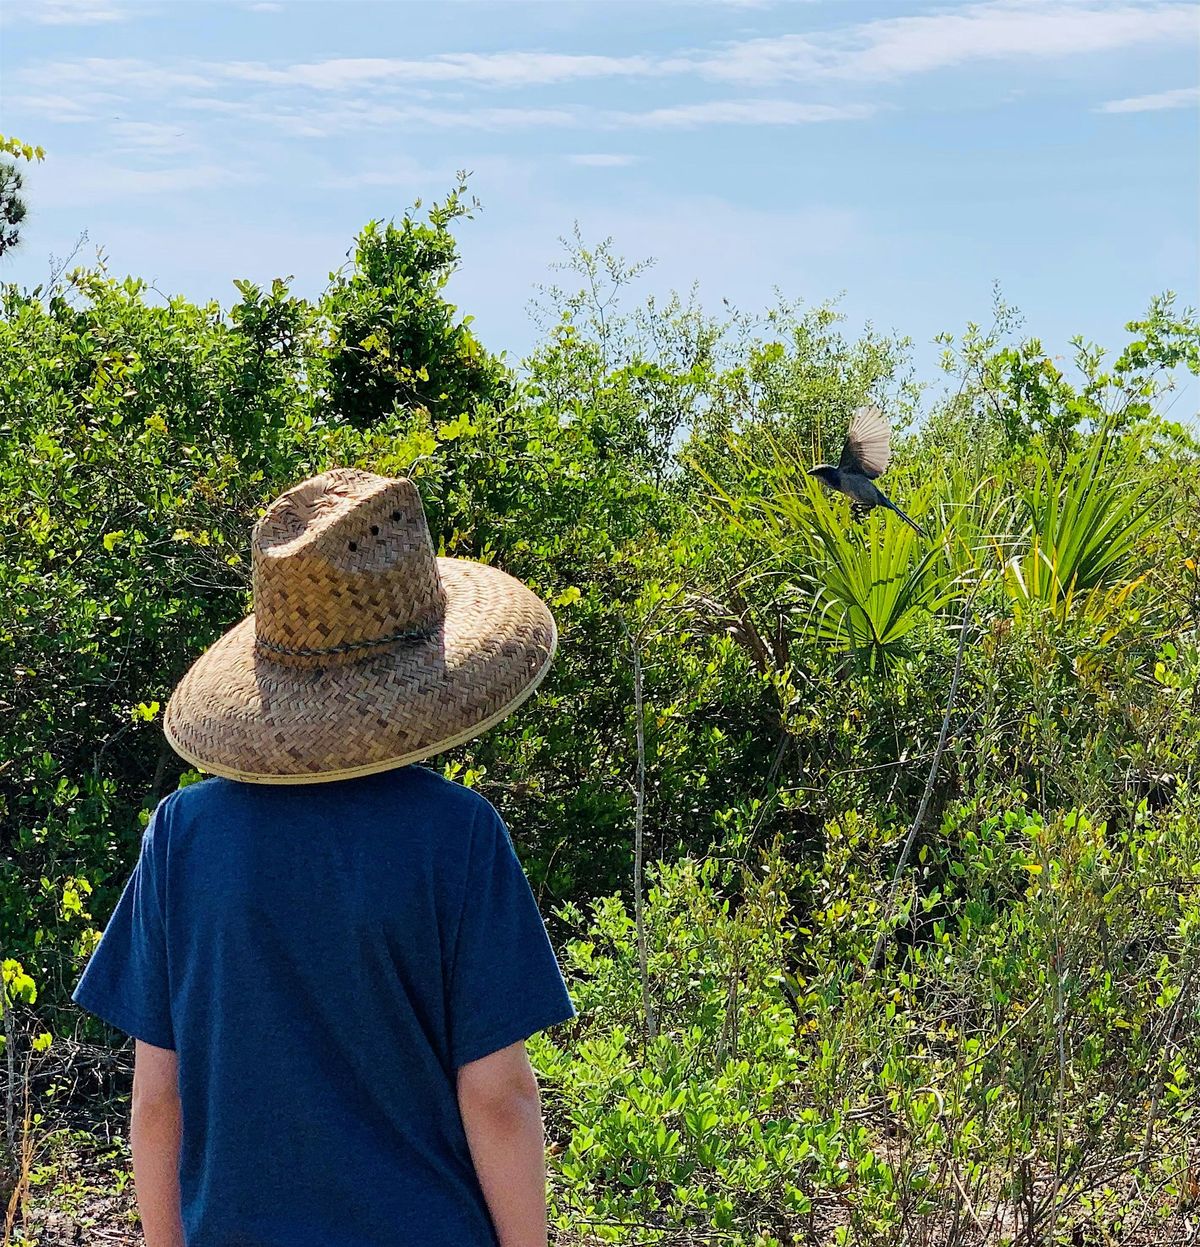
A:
(245, 717)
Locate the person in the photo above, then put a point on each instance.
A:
(327, 954)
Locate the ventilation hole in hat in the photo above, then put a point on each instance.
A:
(374, 530)
(395, 515)
(354, 545)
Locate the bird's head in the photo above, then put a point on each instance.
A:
(824, 471)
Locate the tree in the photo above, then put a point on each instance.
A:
(394, 342)
(12, 206)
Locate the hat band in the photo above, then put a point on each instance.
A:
(346, 647)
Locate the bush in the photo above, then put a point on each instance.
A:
(1022, 1067)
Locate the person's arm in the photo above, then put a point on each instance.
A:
(502, 1115)
(154, 1134)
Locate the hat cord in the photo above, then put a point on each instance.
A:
(346, 647)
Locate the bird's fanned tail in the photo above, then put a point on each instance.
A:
(865, 456)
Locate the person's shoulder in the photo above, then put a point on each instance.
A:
(167, 818)
(203, 803)
(461, 822)
(199, 797)
(453, 800)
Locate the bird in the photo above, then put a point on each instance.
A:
(865, 455)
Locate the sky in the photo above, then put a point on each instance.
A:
(901, 156)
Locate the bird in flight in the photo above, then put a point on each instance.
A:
(865, 455)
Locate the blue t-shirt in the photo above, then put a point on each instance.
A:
(322, 958)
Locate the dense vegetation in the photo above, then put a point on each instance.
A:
(916, 957)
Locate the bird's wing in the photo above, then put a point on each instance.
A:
(868, 448)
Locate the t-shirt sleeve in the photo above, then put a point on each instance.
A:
(126, 982)
(504, 981)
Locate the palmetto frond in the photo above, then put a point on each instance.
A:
(1085, 525)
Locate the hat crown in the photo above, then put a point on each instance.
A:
(343, 565)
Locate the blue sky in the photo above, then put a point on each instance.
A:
(903, 155)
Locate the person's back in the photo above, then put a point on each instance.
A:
(329, 955)
(334, 954)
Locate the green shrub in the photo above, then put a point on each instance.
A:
(1025, 1061)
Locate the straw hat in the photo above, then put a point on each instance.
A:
(364, 651)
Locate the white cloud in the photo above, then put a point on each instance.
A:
(1180, 97)
(149, 137)
(737, 4)
(54, 107)
(602, 160)
(310, 120)
(313, 121)
(211, 104)
(741, 113)
(96, 88)
(320, 98)
(117, 76)
(887, 48)
(1017, 30)
(884, 49)
(66, 12)
(88, 181)
(494, 69)
(895, 47)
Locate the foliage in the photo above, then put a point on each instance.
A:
(867, 587)
(392, 340)
(1012, 395)
(645, 470)
(12, 206)
(24, 151)
(1022, 1068)
(1087, 525)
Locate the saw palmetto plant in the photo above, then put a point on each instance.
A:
(1085, 527)
(872, 586)
(864, 586)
